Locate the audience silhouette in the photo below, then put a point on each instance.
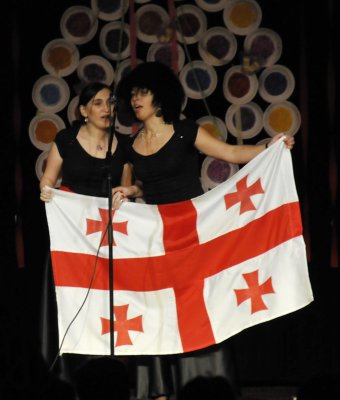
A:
(204, 387)
(102, 378)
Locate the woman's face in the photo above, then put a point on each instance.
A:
(100, 109)
(142, 103)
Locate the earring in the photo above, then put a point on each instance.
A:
(86, 120)
(159, 112)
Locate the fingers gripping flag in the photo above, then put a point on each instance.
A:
(186, 275)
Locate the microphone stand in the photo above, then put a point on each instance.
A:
(110, 234)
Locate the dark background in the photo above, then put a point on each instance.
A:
(284, 351)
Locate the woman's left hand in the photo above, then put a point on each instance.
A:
(288, 140)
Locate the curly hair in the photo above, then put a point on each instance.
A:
(161, 81)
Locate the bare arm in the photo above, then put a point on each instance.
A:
(236, 154)
(128, 188)
(51, 173)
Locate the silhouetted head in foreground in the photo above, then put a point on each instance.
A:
(102, 378)
(203, 387)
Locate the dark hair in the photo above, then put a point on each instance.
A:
(206, 387)
(89, 91)
(161, 81)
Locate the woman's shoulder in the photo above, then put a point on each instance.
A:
(64, 135)
(186, 123)
(187, 128)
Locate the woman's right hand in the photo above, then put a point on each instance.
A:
(46, 194)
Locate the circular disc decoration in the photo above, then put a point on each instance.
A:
(108, 10)
(218, 46)
(73, 113)
(215, 126)
(214, 172)
(60, 57)
(124, 67)
(191, 24)
(95, 68)
(281, 118)
(239, 87)
(263, 45)
(114, 40)
(244, 121)
(78, 24)
(211, 6)
(242, 16)
(276, 83)
(50, 94)
(162, 52)
(198, 79)
(151, 21)
(43, 128)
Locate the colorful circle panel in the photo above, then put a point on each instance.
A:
(244, 121)
(215, 126)
(199, 79)
(276, 83)
(95, 68)
(60, 57)
(78, 24)
(108, 10)
(242, 16)
(191, 24)
(239, 87)
(163, 52)
(218, 46)
(214, 172)
(43, 128)
(264, 46)
(152, 21)
(281, 118)
(114, 40)
(50, 94)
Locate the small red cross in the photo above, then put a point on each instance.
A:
(122, 325)
(254, 292)
(94, 226)
(243, 195)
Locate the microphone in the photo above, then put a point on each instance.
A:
(113, 103)
(113, 100)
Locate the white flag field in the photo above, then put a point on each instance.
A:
(185, 275)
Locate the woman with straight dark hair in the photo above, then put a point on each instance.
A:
(81, 159)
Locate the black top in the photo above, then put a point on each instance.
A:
(83, 173)
(173, 173)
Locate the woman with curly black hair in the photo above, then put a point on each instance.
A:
(165, 157)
